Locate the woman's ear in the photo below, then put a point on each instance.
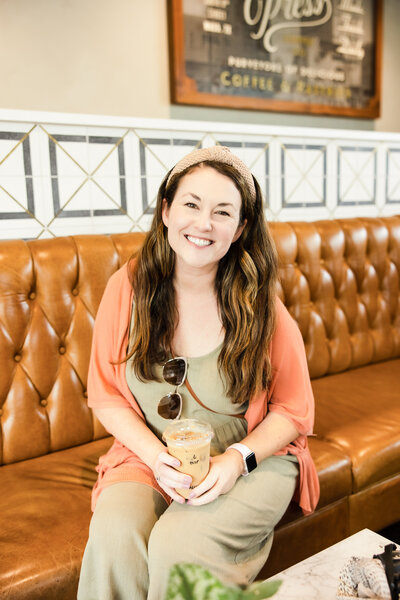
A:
(239, 231)
(165, 212)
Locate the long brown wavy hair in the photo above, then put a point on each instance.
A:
(245, 287)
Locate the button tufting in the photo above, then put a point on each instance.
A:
(32, 296)
(85, 394)
(75, 292)
(43, 402)
(62, 350)
(17, 357)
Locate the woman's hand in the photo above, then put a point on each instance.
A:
(168, 478)
(222, 476)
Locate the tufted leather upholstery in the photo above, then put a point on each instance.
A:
(339, 280)
(50, 291)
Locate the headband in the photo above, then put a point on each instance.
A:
(220, 154)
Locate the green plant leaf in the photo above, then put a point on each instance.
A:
(259, 591)
(193, 582)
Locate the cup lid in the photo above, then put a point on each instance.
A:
(186, 431)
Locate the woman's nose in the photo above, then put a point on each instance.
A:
(204, 221)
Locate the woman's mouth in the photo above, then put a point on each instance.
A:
(201, 242)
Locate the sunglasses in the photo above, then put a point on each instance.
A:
(174, 372)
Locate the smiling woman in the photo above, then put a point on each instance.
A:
(203, 288)
(203, 220)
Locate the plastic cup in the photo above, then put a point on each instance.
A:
(189, 441)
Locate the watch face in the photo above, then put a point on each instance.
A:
(251, 462)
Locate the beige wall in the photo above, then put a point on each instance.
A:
(390, 89)
(110, 57)
(86, 56)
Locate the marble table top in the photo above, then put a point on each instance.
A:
(316, 578)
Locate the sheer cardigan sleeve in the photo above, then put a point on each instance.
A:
(107, 385)
(290, 393)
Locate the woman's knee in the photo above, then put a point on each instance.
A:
(173, 537)
(108, 528)
(125, 514)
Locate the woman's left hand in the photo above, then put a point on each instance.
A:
(222, 476)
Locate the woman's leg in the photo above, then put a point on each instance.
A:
(114, 565)
(231, 536)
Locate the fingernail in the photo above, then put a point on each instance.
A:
(176, 463)
(187, 482)
(192, 495)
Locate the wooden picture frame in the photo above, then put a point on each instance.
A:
(243, 72)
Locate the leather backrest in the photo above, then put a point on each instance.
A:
(339, 280)
(50, 290)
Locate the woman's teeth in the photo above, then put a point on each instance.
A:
(198, 241)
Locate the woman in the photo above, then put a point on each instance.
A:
(203, 287)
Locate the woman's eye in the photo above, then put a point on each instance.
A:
(191, 204)
(223, 212)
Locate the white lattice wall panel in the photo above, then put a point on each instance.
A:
(67, 174)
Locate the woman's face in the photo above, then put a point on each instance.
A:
(203, 219)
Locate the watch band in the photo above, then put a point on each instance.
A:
(249, 458)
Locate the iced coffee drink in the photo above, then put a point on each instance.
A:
(189, 441)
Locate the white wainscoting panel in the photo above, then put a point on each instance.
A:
(63, 174)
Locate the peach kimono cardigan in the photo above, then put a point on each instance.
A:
(289, 394)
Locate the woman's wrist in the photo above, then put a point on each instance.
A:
(152, 459)
(237, 460)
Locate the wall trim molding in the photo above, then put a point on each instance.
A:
(93, 120)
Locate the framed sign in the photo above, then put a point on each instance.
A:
(304, 56)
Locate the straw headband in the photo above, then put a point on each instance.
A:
(220, 154)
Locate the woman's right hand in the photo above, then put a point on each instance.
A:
(168, 478)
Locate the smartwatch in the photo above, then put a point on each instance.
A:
(249, 458)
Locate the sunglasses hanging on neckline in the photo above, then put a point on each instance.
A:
(170, 406)
(174, 373)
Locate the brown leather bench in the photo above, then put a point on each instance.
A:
(340, 281)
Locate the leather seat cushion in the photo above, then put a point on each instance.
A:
(334, 474)
(334, 471)
(45, 521)
(47, 512)
(358, 412)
